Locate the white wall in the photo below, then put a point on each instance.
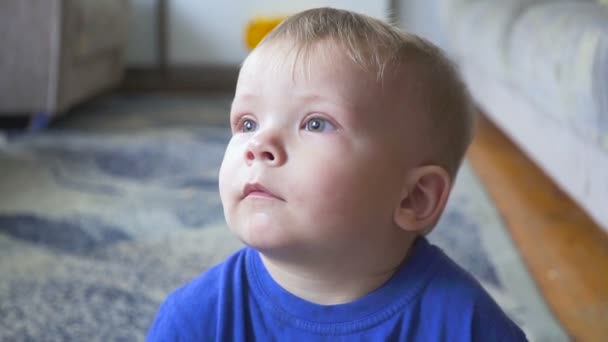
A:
(212, 32)
(422, 17)
(204, 32)
(142, 33)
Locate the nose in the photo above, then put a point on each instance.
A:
(266, 148)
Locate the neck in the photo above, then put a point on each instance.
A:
(340, 281)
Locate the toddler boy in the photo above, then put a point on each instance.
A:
(347, 136)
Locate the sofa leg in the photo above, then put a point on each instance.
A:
(13, 124)
(39, 121)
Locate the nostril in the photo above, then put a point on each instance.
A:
(249, 155)
(268, 156)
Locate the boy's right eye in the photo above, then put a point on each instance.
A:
(248, 125)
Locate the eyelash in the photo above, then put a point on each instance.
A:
(239, 123)
(326, 122)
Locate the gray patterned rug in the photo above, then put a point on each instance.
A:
(117, 204)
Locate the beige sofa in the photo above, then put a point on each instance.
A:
(56, 53)
(539, 70)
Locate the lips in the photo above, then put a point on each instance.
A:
(257, 190)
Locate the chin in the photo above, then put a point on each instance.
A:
(264, 238)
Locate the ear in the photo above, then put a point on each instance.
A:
(423, 198)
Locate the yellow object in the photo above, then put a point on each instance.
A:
(257, 29)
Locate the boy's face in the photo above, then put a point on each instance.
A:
(315, 164)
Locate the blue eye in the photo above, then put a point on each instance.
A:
(319, 125)
(248, 125)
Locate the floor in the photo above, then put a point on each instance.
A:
(565, 251)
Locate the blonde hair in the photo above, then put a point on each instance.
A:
(376, 47)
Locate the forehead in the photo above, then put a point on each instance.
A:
(321, 68)
(303, 63)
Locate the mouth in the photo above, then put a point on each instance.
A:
(257, 190)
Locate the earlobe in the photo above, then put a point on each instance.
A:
(424, 198)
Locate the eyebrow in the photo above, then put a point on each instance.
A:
(247, 97)
(252, 96)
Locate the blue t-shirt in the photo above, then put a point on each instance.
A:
(429, 298)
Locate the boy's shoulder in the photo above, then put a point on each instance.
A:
(200, 297)
(450, 283)
(453, 297)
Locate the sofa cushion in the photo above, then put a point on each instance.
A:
(94, 26)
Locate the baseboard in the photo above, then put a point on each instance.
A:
(181, 78)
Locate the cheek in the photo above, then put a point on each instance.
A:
(330, 189)
(341, 186)
(228, 169)
(222, 177)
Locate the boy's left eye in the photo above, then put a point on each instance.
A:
(319, 125)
